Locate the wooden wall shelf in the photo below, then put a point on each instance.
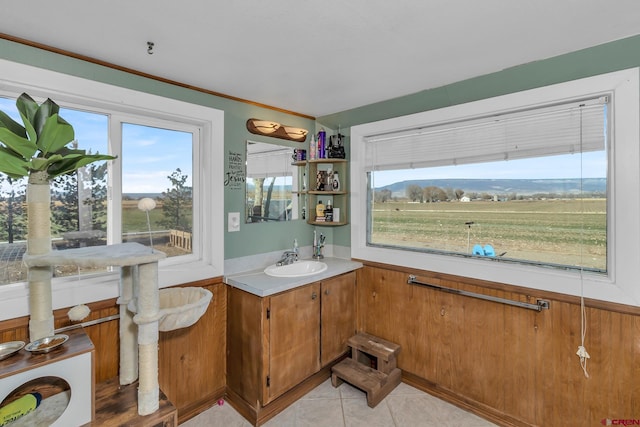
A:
(309, 169)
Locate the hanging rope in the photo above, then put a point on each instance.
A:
(582, 351)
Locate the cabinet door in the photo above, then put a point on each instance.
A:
(245, 373)
(294, 338)
(338, 315)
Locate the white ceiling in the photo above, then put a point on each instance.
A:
(321, 57)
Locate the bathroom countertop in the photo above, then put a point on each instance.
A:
(262, 285)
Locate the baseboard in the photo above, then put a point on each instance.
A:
(480, 409)
(194, 408)
(241, 406)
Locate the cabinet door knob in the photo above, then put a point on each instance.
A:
(326, 291)
(314, 295)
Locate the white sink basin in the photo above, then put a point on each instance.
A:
(297, 269)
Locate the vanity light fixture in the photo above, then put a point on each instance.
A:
(276, 130)
(266, 126)
(296, 133)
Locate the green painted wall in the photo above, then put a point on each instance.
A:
(258, 238)
(252, 238)
(613, 56)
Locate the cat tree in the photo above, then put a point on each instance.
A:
(144, 308)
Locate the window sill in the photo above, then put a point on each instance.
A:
(71, 291)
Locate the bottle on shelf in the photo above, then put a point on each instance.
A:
(319, 211)
(328, 212)
(335, 181)
(322, 135)
(313, 148)
(321, 179)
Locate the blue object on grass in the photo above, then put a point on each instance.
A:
(489, 251)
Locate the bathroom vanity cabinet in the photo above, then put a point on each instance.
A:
(277, 342)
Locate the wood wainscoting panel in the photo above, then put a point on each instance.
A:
(511, 365)
(105, 339)
(192, 361)
(104, 336)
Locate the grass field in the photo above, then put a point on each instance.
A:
(134, 220)
(560, 231)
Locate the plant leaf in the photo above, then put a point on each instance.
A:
(27, 107)
(12, 125)
(31, 132)
(55, 134)
(65, 151)
(46, 110)
(43, 130)
(18, 144)
(43, 163)
(11, 165)
(73, 162)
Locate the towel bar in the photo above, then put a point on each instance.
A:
(538, 306)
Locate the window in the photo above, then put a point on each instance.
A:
(157, 163)
(528, 187)
(488, 189)
(168, 150)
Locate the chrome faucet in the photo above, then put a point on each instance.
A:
(288, 257)
(318, 245)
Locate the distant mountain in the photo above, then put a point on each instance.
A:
(137, 196)
(506, 186)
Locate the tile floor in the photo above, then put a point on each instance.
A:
(347, 406)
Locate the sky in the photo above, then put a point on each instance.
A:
(591, 165)
(149, 154)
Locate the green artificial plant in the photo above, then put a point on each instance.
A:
(39, 149)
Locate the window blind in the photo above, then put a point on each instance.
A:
(267, 160)
(551, 130)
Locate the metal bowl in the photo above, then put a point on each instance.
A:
(46, 344)
(10, 348)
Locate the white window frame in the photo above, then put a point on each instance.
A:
(114, 210)
(74, 92)
(620, 285)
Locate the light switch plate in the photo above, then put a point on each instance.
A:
(233, 221)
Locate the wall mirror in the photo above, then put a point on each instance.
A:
(270, 183)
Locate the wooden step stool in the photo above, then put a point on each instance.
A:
(372, 367)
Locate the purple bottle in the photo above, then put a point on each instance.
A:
(322, 135)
